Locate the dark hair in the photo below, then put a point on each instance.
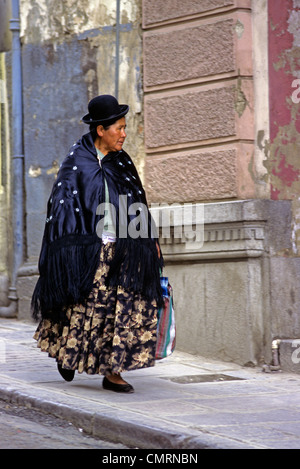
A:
(93, 130)
(93, 127)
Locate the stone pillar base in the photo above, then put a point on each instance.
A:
(27, 278)
(224, 289)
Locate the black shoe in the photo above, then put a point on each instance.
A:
(68, 375)
(109, 385)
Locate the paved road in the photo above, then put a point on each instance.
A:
(22, 428)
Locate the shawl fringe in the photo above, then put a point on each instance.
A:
(136, 266)
(68, 267)
(67, 272)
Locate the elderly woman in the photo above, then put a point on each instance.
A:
(98, 292)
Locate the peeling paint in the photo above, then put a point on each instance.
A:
(240, 99)
(34, 171)
(239, 29)
(294, 27)
(289, 62)
(284, 168)
(44, 20)
(295, 237)
(283, 163)
(54, 168)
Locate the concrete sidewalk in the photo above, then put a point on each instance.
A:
(184, 402)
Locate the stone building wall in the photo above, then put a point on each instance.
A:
(199, 108)
(207, 140)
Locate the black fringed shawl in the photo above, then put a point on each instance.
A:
(72, 241)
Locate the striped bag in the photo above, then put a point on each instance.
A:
(166, 330)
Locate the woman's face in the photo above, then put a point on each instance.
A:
(113, 138)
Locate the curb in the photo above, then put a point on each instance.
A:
(133, 435)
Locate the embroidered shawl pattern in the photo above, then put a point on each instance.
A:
(72, 240)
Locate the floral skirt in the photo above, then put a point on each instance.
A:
(114, 332)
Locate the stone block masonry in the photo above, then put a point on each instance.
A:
(198, 95)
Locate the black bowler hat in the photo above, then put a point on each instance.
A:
(103, 109)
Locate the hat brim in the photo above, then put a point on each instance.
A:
(88, 120)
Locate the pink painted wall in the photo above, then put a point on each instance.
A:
(284, 67)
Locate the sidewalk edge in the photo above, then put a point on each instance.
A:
(135, 435)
